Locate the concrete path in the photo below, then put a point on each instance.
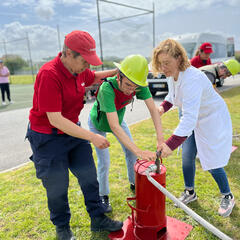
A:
(15, 152)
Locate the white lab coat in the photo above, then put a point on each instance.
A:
(205, 112)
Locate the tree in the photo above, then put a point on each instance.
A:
(14, 63)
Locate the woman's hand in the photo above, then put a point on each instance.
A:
(161, 110)
(165, 150)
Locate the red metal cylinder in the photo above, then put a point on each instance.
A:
(148, 221)
(150, 216)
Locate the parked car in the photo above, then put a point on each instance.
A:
(90, 92)
(157, 84)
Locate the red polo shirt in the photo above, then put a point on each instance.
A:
(57, 90)
(197, 62)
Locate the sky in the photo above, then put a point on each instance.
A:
(40, 25)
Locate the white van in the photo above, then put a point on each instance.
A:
(223, 50)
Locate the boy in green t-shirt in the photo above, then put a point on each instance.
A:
(107, 116)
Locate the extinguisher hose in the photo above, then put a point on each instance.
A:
(195, 216)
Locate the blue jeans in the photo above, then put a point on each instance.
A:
(103, 159)
(53, 156)
(189, 152)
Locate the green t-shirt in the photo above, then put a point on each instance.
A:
(106, 96)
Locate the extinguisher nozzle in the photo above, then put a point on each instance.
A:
(151, 168)
(157, 162)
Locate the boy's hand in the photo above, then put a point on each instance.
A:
(147, 155)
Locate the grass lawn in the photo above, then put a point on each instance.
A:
(22, 79)
(23, 204)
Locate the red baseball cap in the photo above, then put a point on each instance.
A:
(206, 47)
(83, 43)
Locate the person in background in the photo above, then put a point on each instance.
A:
(107, 115)
(202, 107)
(202, 56)
(58, 141)
(4, 83)
(221, 70)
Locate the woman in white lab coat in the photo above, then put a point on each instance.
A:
(205, 120)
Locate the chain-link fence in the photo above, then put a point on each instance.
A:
(24, 57)
(17, 56)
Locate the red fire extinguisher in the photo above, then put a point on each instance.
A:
(149, 217)
(149, 220)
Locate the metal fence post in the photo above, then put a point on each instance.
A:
(30, 56)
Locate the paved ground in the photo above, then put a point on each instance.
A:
(14, 151)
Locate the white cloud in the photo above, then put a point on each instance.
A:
(17, 2)
(120, 38)
(86, 3)
(165, 6)
(70, 2)
(45, 9)
(162, 6)
(121, 43)
(24, 16)
(43, 40)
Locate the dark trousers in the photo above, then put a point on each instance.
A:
(54, 155)
(5, 88)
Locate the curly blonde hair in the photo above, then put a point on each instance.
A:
(172, 48)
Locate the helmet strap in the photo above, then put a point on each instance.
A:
(121, 76)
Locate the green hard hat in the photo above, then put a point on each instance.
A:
(135, 68)
(233, 66)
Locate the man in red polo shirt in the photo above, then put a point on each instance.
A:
(202, 56)
(58, 142)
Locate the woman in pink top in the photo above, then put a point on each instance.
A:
(4, 82)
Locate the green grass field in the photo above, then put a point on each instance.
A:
(22, 79)
(23, 205)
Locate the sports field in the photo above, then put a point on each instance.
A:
(21, 95)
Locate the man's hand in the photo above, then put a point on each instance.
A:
(161, 110)
(147, 155)
(100, 141)
(166, 151)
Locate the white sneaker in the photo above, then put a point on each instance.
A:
(11, 102)
(186, 197)
(226, 205)
(4, 103)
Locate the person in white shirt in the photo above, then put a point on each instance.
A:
(205, 119)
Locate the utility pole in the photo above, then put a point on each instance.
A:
(30, 56)
(153, 12)
(5, 49)
(59, 41)
(100, 35)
